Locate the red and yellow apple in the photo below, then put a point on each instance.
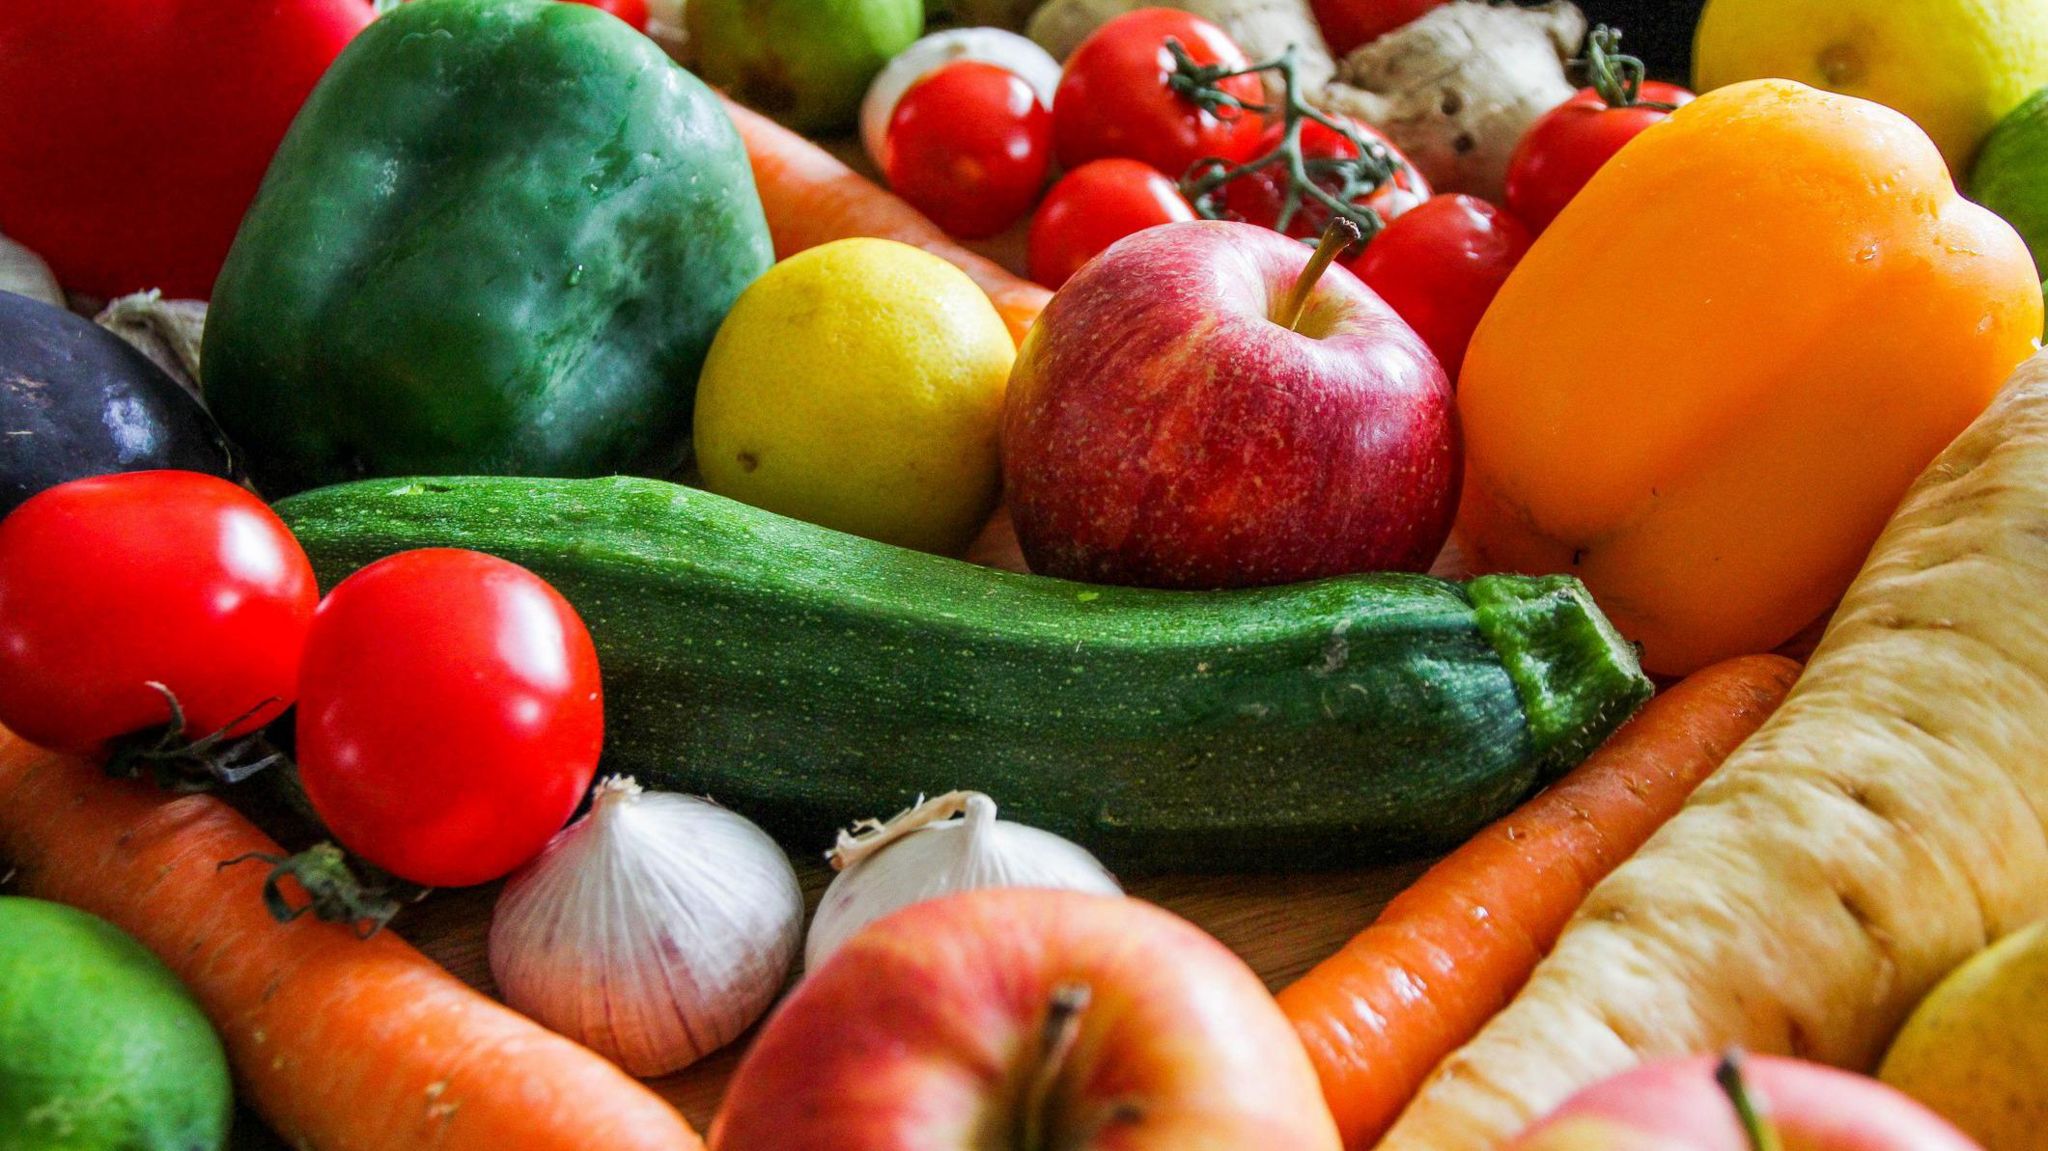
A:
(1027, 1020)
(1682, 1105)
(1206, 406)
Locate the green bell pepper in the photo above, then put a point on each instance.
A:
(497, 240)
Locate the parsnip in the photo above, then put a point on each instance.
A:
(1457, 88)
(1263, 28)
(1889, 822)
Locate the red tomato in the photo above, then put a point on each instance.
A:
(136, 131)
(113, 582)
(970, 146)
(1114, 99)
(1094, 206)
(1563, 149)
(450, 716)
(1259, 197)
(1348, 23)
(633, 12)
(1440, 266)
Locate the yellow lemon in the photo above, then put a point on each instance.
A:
(859, 385)
(1954, 66)
(1975, 1049)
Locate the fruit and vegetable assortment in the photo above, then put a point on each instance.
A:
(609, 455)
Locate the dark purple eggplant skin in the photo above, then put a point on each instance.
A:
(76, 401)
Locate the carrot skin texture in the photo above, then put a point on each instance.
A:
(341, 1044)
(811, 198)
(1453, 949)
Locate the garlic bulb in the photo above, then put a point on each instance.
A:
(925, 853)
(25, 274)
(653, 930)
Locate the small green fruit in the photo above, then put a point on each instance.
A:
(805, 62)
(101, 1048)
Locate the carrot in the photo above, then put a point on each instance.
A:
(1453, 949)
(1886, 824)
(811, 199)
(341, 1044)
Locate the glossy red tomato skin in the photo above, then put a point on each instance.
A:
(1568, 144)
(450, 715)
(1348, 23)
(970, 146)
(112, 582)
(633, 12)
(1440, 266)
(1114, 100)
(136, 131)
(1259, 197)
(1094, 206)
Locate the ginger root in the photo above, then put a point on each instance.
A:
(1457, 89)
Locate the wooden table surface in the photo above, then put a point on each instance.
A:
(1280, 924)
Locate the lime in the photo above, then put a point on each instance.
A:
(1954, 66)
(2011, 176)
(859, 385)
(1975, 1047)
(804, 62)
(101, 1048)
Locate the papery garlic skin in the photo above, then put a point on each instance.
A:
(924, 854)
(654, 930)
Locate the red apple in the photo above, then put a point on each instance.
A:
(1027, 1020)
(1680, 1106)
(1207, 404)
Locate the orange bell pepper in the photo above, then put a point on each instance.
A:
(1708, 384)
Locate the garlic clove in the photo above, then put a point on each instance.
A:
(654, 930)
(927, 853)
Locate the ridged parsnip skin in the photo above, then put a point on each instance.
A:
(1889, 822)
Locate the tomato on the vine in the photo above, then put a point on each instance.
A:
(112, 583)
(970, 146)
(1094, 206)
(1562, 150)
(1116, 97)
(450, 715)
(633, 12)
(1348, 23)
(1440, 266)
(1259, 197)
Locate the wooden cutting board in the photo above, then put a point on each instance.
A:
(1280, 924)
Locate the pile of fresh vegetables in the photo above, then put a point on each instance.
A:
(440, 455)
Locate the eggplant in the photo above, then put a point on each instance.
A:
(77, 401)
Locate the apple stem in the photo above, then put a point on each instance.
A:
(1341, 234)
(1055, 1042)
(1762, 1136)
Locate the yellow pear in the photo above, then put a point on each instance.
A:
(1976, 1049)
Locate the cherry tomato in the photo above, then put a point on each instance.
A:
(450, 716)
(1563, 149)
(110, 583)
(970, 146)
(1348, 23)
(1258, 198)
(1114, 99)
(633, 12)
(1440, 266)
(1094, 206)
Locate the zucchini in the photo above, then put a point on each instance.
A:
(808, 678)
